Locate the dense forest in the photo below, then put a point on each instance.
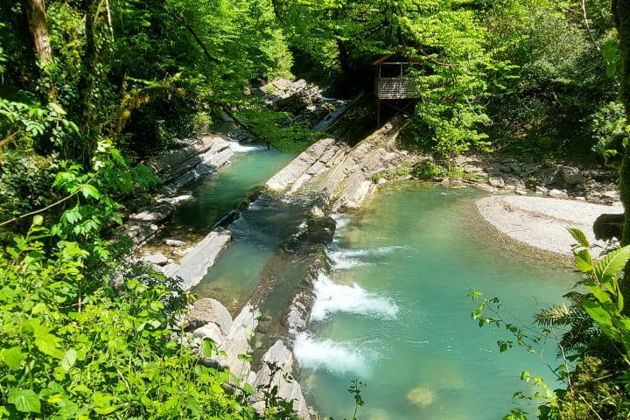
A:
(92, 89)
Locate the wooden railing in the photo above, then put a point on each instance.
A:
(395, 88)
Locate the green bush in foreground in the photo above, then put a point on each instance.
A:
(111, 353)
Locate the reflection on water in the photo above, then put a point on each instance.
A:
(395, 312)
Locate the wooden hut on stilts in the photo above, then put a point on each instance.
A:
(393, 86)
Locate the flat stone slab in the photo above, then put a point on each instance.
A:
(542, 222)
(195, 264)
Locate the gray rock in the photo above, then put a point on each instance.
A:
(613, 195)
(211, 331)
(280, 359)
(572, 176)
(158, 213)
(558, 194)
(487, 188)
(496, 182)
(208, 310)
(174, 243)
(195, 264)
(158, 259)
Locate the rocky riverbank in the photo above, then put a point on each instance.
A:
(509, 175)
(176, 168)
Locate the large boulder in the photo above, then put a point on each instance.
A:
(208, 310)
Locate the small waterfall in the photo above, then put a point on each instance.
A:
(331, 298)
(332, 356)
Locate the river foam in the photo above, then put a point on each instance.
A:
(241, 148)
(335, 357)
(344, 258)
(331, 298)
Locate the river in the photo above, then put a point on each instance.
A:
(395, 312)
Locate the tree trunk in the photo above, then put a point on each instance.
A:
(38, 26)
(621, 14)
(36, 14)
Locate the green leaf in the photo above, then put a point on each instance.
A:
(48, 344)
(612, 263)
(580, 237)
(13, 357)
(599, 314)
(206, 347)
(90, 191)
(584, 261)
(24, 400)
(69, 358)
(596, 290)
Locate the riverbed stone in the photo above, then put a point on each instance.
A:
(158, 259)
(237, 343)
(211, 331)
(572, 176)
(555, 193)
(208, 310)
(486, 187)
(496, 182)
(157, 213)
(174, 243)
(195, 264)
(277, 371)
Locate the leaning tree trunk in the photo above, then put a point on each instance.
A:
(621, 14)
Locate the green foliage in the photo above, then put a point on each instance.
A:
(428, 171)
(275, 128)
(71, 351)
(608, 127)
(605, 303)
(392, 174)
(559, 83)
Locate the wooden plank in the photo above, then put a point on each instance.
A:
(396, 88)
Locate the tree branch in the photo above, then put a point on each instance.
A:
(33, 213)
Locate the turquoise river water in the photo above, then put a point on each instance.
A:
(395, 312)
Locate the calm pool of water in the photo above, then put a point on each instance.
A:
(395, 312)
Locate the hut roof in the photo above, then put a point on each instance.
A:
(397, 53)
